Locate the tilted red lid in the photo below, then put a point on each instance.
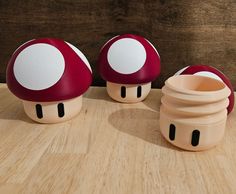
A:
(46, 69)
(209, 71)
(129, 59)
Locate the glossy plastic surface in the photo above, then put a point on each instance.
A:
(194, 111)
(67, 71)
(129, 59)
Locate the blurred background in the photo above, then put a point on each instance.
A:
(185, 32)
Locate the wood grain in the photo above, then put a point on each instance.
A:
(185, 32)
(108, 148)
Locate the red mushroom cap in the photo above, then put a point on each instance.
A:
(212, 72)
(45, 70)
(129, 59)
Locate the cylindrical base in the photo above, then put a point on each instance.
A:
(193, 112)
(53, 112)
(128, 93)
(191, 136)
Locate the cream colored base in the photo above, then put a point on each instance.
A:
(114, 91)
(50, 112)
(210, 134)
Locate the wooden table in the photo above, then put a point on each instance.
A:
(108, 148)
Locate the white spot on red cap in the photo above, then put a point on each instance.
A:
(39, 66)
(126, 56)
(208, 74)
(201, 73)
(23, 45)
(81, 55)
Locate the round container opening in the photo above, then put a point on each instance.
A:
(195, 83)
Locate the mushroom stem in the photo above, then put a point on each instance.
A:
(128, 93)
(193, 113)
(53, 112)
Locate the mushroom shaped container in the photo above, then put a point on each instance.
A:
(209, 71)
(49, 76)
(128, 63)
(193, 111)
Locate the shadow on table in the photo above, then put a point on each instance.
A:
(153, 100)
(98, 94)
(13, 108)
(141, 123)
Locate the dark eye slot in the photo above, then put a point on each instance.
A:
(123, 92)
(60, 108)
(172, 132)
(139, 91)
(195, 138)
(39, 111)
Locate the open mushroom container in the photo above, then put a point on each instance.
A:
(129, 63)
(193, 112)
(209, 71)
(49, 76)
